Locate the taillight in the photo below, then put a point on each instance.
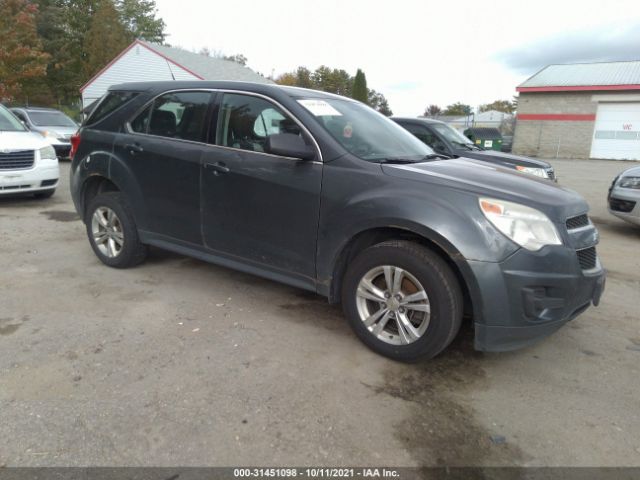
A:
(75, 143)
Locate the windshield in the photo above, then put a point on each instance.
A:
(9, 122)
(454, 136)
(51, 119)
(365, 132)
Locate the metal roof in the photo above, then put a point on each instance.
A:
(581, 76)
(208, 68)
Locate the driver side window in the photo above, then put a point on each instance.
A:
(246, 122)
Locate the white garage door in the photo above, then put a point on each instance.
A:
(617, 132)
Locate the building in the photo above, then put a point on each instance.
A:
(585, 110)
(144, 61)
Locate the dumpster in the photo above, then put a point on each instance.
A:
(487, 138)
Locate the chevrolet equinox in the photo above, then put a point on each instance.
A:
(323, 193)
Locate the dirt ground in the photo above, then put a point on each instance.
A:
(178, 362)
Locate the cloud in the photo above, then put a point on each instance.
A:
(602, 44)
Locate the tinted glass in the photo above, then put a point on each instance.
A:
(109, 103)
(141, 122)
(51, 119)
(180, 115)
(422, 134)
(365, 132)
(453, 135)
(8, 122)
(246, 122)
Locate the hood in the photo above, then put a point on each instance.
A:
(504, 158)
(21, 141)
(62, 131)
(631, 172)
(482, 179)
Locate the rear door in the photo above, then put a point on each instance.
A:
(256, 206)
(163, 148)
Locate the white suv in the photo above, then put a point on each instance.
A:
(28, 163)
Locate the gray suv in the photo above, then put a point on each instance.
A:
(53, 125)
(325, 194)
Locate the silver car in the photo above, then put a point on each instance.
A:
(624, 196)
(53, 125)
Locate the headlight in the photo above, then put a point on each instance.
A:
(47, 153)
(538, 172)
(49, 134)
(528, 227)
(629, 182)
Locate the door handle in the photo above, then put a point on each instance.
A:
(218, 167)
(134, 148)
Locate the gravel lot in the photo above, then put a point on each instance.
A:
(178, 362)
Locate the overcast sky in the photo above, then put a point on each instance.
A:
(415, 52)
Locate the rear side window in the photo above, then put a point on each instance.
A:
(111, 102)
(175, 115)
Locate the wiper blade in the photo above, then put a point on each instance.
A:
(398, 161)
(433, 156)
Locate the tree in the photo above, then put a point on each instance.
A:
(336, 81)
(21, 54)
(499, 105)
(238, 58)
(378, 102)
(139, 19)
(432, 111)
(457, 109)
(359, 90)
(106, 38)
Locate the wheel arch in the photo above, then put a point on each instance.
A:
(95, 185)
(425, 237)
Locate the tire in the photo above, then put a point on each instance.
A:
(45, 194)
(127, 249)
(435, 320)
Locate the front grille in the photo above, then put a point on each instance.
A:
(619, 205)
(19, 160)
(15, 187)
(577, 222)
(587, 258)
(551, 173)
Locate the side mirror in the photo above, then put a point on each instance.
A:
(289, 145)
(440, 148)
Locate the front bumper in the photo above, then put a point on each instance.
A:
(624, 203)
(44, 176)
(530, 295)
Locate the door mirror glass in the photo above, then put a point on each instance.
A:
(289, 145)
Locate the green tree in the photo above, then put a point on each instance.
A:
(432, 111)
(106, 38)
(21, 53)
(378, 102)
(457, 109)
(499, 105)
(360, 91)
(140, 20)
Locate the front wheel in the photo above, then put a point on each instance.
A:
(112, 231)
(402, 300)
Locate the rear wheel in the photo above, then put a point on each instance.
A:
(112, 231)
(402, 300)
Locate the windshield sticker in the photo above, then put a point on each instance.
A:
(320, 108)
(347, 132)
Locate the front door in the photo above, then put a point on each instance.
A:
(163, 150)
(259, 207)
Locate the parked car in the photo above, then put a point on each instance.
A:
(325, 194)
(28, 164)
(447, 140)
(624, 196)
(53, 125)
